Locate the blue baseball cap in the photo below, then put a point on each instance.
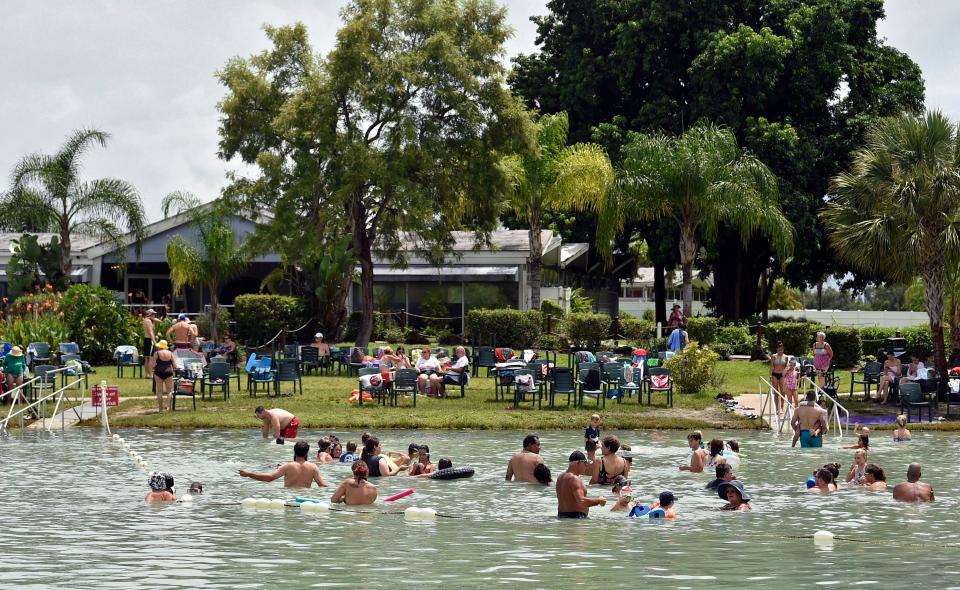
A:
(182, 316)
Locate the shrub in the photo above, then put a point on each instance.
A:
(414, 337)
(97, 322)
(649, 315)
(723, 349)
(872, 337)
(693, 368)
(580, 302)
(846, 345)
(548, 306)
(796, 336)
(392, 334)
(637, 330)
(552, 342)
(738, 338)
(919, 340)
(260, 317)
(450, 339)
(506, 327)
(702, 329)
(588, 329)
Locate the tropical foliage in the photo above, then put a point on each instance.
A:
(97, 322)
(214, 260)
(554, 177)
(699, 180)
(33, 265)
(47, 194)
(896, 211)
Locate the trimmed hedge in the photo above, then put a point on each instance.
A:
(919, 341)
(796, 336)
(846, 345)
(702, 329)
(639, 330)
(738, 338)
(260, 317)
(588, 329)
(507, 327)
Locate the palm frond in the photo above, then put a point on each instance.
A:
(187, 266)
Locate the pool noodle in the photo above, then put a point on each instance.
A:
(402, 494)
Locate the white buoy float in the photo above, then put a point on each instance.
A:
(116, 437)
(248, 503)
(126, 446)
(412, 513)
(186, 498)
(142, 465)
(277, 504)
(428, 514)
(263, 503)
(823, 538)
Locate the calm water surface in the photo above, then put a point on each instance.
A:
(74, 517)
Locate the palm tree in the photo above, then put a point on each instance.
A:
(47, 193)
(894, 213)
(701, 179)
(555, 177)
(214, 261)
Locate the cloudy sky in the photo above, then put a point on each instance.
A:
(143, 71)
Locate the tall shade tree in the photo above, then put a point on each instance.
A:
(400, 129)
(47, 193)
(700, 179)
(214, 261)
(555, 177)
(895, 211)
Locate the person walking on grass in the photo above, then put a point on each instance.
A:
(162, 361)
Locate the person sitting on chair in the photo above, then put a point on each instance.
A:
(459, 373)
(431, 374)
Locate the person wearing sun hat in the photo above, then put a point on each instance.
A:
(158, 489)
(14, 367)
(737, 498)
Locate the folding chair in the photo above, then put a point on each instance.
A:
(589, 385)
(656, 382)
(288, 369)
(217, 375)
(404, 381)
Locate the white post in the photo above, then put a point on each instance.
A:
(659, 330)
(103, 402)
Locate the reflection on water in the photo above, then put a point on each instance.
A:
(74, 517)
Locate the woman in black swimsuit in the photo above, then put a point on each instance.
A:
(163, 373)
(610, 466)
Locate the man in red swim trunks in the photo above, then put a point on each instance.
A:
(283, 423)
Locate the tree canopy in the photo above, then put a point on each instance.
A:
(398, 131)
(797, 82)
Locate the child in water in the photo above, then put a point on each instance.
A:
(591, 437)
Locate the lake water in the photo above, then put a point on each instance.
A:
(74, 517)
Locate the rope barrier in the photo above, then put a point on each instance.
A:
(282, 331)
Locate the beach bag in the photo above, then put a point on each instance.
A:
(525, 383)
(371, 381)
(660, 381)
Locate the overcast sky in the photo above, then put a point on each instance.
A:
(144, 72)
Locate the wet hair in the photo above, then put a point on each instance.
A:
(826, 475)
(695, 435)
(196, 488)
(734, 445)
(336, 450)
(611, 443)
(412, 448)
(169, 480)
(447, 464)
(323, 445)
(876, 471)
(530, 439)
(723, 469)
(424, 451)
(259, 410)
(834, 469)
(716, 447)
(591, 445)
(864, 441)
(370, 444)
(542, 473)
(901, 421)
(360, 470)
(301, 449)
(364, 437)
(351, 447)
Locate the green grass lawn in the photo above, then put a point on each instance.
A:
(325, 404)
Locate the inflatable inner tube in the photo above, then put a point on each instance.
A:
(452, 473)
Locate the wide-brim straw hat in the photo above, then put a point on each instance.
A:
(162, 345)
(16, 351)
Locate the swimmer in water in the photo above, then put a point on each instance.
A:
(283, 423)
(698, 456)
(824, 483)
(444, 464)
(738, 500)
(158, 489)
(298, 473)
(874, 478)
(902, 433)
(543, 475)
(356, 491)
(522, 464)
(724, 472)
(913, 490)
(863, 442)
(405, 461)
(858, 469)
(572, 499)
(591, 437)
(423, 466)
(323, 451)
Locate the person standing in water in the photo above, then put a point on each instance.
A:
(356, 491)
(810, 420)
(698, 456)
(738, 500)
(572, 499)
(158, 489)
(283, 423)
(298, 473)
(522, 464)
(913, 490)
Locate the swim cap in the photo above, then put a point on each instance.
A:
(158, 482)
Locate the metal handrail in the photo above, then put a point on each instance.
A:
(770, 398)
(834, 413)
(59, 394)
(14, 413)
